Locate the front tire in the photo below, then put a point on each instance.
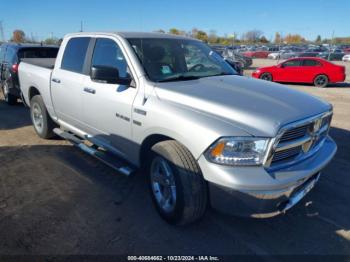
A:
(10, 99)
(178, 189)
(42, 122)
(266, 77)
(321, 81)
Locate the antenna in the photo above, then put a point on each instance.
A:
(81, 26)
(2, 32)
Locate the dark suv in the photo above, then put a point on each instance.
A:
(11, 55)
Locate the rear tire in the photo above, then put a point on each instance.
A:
(42, 122)
(266, 77)
(178, 188)
(321, 81)
(9, 98)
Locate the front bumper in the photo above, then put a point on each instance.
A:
(255, 74)
(257, 192)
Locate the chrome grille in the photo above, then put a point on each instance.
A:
(286, 154)
(294, 133)
(326, 121)
(299, 140)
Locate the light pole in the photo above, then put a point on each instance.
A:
(232, 36)
(332, 44)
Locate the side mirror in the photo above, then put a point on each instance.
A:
(107, 74)
(280, 66)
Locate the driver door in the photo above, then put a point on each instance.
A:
(289, 71)
(107, 108)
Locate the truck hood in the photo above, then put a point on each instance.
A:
(256, 106)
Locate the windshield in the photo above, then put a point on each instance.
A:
(178, 59)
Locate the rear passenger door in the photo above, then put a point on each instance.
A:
(67, 82)
(311, 68)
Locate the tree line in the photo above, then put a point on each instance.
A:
(18, 36)
(211, 37)
(253, 37)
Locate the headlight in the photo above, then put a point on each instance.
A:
(236, 151)
(257, 71)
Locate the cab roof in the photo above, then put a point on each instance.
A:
(135, 35)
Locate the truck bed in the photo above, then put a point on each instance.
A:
(35, 73)
(48, 63)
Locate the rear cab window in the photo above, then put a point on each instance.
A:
(74, 54)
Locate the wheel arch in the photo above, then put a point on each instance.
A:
(32, 91)
(147, 144)
(321, 74)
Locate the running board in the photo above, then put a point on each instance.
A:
(104, 156)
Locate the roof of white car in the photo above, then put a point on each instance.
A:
(134, 35)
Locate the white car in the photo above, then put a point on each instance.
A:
(274, 55)
(346, 58)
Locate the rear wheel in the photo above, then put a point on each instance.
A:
(266, 76)
(321, 81)
(178, 189)
(9, 98)
(42, 122)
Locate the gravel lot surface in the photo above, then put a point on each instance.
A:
(54, 199)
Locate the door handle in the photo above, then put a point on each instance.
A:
(89, 90)
(56, 80)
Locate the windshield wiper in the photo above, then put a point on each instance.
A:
(222, 74)
(179, 78)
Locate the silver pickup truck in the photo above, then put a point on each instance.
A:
(173, 107)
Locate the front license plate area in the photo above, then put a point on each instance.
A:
(301, 192)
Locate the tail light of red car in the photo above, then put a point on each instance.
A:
(15, 68)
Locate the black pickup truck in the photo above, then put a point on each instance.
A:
(11, 55)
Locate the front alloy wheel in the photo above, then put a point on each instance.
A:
(163, 184)
(266, 77)
(177, 187)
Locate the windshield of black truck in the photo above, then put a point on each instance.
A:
(178, 59)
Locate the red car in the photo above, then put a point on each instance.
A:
(256, 54)
(303, 70)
